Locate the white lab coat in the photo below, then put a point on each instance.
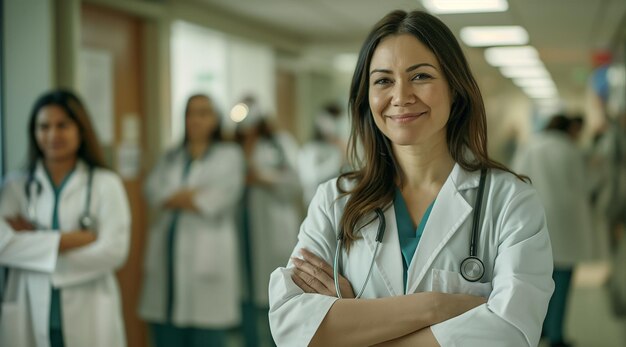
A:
(513, 244)
(90, 300)
(34, 251)
(35, 255)
(318, 161)
(206, 253)
(557, 171)
(273, 211)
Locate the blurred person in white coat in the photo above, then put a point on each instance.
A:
(428, 242)
(66, 190)
(557, 170)
(323, 157)
(190, 292)
(272, 210)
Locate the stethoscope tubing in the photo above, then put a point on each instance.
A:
(472, 260)
(86, 221)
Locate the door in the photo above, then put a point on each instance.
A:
(114, 39)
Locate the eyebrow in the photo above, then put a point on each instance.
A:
(409, 69)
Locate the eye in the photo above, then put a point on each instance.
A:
(421, 76)
(382, 81)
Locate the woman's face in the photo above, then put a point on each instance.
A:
(57, 135)
(201, 120)
(409, 95)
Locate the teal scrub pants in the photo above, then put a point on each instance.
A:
(555, 318)
(168, 335)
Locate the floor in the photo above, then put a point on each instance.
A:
(590, 321)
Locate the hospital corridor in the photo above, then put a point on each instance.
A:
(260, 173)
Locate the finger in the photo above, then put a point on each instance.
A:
(317, 261)
(300, 283)
(312, 282)
(319, 274)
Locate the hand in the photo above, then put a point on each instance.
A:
(19, 223)
(447, 306)
(182, 199)
(75, 239)
(314, 275)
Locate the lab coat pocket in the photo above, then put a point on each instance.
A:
(209, 253)
(453, 283)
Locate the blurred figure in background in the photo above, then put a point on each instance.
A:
(190, 289)
(557, 170)
(322, 158)
(68, 190)
(608, 160)
(272, 213)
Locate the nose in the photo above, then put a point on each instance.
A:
(403, 94)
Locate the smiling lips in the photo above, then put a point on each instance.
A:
(405, 117)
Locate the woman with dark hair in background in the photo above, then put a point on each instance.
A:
(66, 189)
(191, 276)
(428, 242)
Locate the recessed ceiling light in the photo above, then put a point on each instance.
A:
(465, 6)
(239, 112)
(494, 36)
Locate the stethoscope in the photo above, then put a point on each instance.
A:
(472, 268)
(33, 188)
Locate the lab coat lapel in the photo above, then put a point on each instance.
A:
(45, 200)
(450, 211)
(388, 261)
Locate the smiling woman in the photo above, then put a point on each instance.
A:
(403, 220)
(404, 71)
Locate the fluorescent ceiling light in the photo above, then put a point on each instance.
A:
(524, 71)
(533, 82)
(541, 91)
(541, 94)
(494, 36)
(465, 6)
(512, 56)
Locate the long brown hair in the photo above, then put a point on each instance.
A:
(89, 149)
(376, 169)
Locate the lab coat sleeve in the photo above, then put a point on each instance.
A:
(294, 315)
(32, 250)
(522, 283)
(11, 196)
(159, 185)
(110, 249)
(219, 196)
(35, 251)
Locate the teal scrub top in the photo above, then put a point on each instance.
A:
(408, 235)
(171, 240)
(55, 299)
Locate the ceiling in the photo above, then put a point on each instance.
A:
(565, 32)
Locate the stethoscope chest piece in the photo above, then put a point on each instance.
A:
(472, 269)
(87, 222)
